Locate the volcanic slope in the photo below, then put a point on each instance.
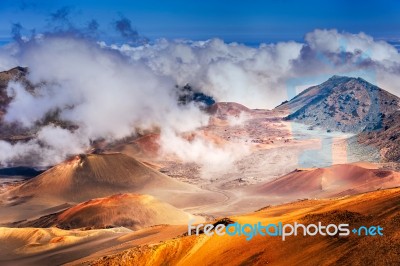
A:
(20, 245)
(224, 109)
(374, 208)
(342, 104)
(385, 136)
(337, 180)
(132, 211)
(85, 177)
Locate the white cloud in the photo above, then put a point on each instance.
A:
(110, 91)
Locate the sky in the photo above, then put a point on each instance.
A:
(249, 22)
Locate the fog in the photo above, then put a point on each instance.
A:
(110, 91)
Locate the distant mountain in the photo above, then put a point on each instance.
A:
(20, 171)
(13, 132)
(16, 73)
(342, 104)
(187, 94)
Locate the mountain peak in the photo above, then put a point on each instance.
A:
(342, 103)
(337, 77)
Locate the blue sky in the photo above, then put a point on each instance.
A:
(249, 21)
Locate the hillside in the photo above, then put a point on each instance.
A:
(337, 180)
(386, 137)
(374, 208)
(342, 104)
(89, 176)
(222, 110)
(133, 211)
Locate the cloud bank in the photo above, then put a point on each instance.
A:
(258, 77)
(110, 91)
